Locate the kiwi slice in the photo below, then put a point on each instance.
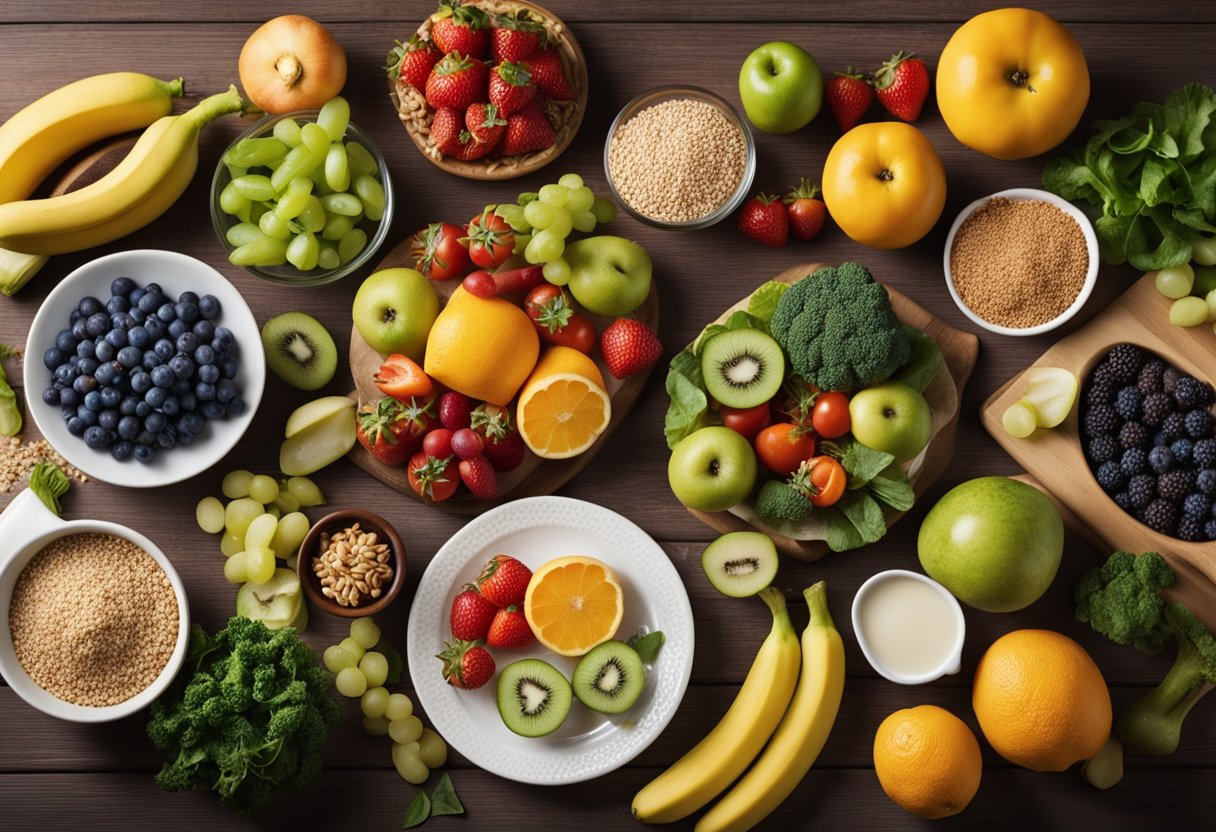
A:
(740, 564)
(300, 350)
(533, 697)
(610, 678)
(742, 367)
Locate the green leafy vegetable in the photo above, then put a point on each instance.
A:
(418, 811)
(8, 351)
(854, 521)
(892, 487)
(862, 463)
(648, 646)
(763, 302)
(10, 411)
(689, 403)
(925, 362)
(875, 479)
(444, 800)
(48, 481)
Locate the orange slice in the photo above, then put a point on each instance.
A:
(573, 604)
(563, 407)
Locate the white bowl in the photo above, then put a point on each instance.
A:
(176, 273)
(953, 660)
(26, 528)
(1091, 276)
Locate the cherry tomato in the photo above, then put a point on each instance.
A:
(746, 422)
(490, 240)
(823, 479)
(556, 321)
(830, 415)
(433, 479)
(438, 442)
(438, 252)
(784, 446)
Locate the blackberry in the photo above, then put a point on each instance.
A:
(1127, 403)
(1124, 361)
(1209, 529)
(1204, 453)
(1141, 490)
(1101, 418)
(1149, 380)
(1190, 528)
(1197, 505)
(1103, 373)
(1103, 448)
(1205, 481)
(1191, 392)
(1160, 516)
(1174, 426)
(1169, 379)
(1132, 434)
(1199, 424)
(1123, 500)
(1111, 477)
(1175, 485)
(1182, 450)
(1155, 408)
(1160, 459)
(1100, 392)
(1133, 461)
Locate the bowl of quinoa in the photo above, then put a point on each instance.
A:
(1021, 261)
(679, 157)
(97, 618)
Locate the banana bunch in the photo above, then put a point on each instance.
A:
(762, 709)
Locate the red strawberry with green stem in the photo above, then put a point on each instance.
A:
(516, 36)
(849, 95)
(629, 346)
(478, 476)
(446, 127)
(902, 85)
(509, 630)
(471, 614)
(806, 212)
(504, 447)
(484, 123)
(455, 410)
(468, 148)
(456, 81)
(460, 28)
(413, 61)
(511, 87)
(764, 220)
(466, 664)
(549, 75)
(504, 581)
(527, 130)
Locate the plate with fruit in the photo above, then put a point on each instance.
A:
(490, 381)
(492, 89)
(815, 410)
(550, 640)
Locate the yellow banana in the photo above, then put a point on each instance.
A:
(701, 774)
(40, 137)
(802, 732)
(139, 189)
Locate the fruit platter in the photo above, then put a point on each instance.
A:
(351, 476)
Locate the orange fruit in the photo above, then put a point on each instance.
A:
(482, 347)
(1041, 701)
(563, 407)
(573, 604)
(927, 761)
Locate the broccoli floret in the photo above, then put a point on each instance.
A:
(1122, 600)
(839, 330)
(778, 502)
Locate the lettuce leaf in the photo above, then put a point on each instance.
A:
(689, 405)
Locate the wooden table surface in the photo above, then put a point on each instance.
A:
(59, 775)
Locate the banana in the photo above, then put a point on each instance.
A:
(701, 774)
(138, 190)
(40, 137)
(17, 269)
(802, 732)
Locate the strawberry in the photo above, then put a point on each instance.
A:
(516, 36)
(504, 580)
(527, 130)
(468, 148)
(413, 61)
(386, 432)
(902, 84)
(849, 95)
(431, 478)
(806, 213)
(446, 127)
(456, 82)
(504, 447)
(484, 123)
(509, 629)
(477, 474)
(454, 410)
(511, 87)
(629, 346)
(460, 28)
(545, 65)
(471, 615)
(763, 218)
(466, 664)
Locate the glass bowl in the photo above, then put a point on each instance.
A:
(678, 91)
(287, 274)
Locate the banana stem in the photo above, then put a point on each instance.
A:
(176, 87)
(772, 596)
(214, 106)
(816, 596)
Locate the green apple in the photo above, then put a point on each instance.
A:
(891, 417)
(276, 603)
(394, 310)
(712, 469)
(781, 87)
(608, 275)
(994, 542)
(323, 434)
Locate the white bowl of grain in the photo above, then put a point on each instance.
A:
(1021, 261)
(96, 617)
(679, 157)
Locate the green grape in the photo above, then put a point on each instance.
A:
(521, 243)
(526, 197)
(431, 748)
(273, 511)
(210, 515)
(513, 215)
(259, 564)
(538, 214)
(264, 489)
(236, 483)
(268, 251)
(239, 513)
(348, 205)
(244, 213)
(355, 647)
(306, 491)
(328, 257)
(1189, 311)
(360, 160)
(1020, 419)
(571, 180)
(371, 193)
(375, 668)
(236, 171)
(561, 225)
(337, 171)
(243, 232)
(545, 246)
(604, 209)
(1176, 281)
(334, 116)
(554, 195)
(581, 199)
(230, 544)
(337, 658)
(287, 130)
(365, 631)
(336, 227)
(1211, 302)
(235, 569)
(274, 164)
(273, 225)
(399, 706)
(408, 764)
(298, 162)
(312, 218)
(1204, 251)
(314, 137)
(376, 726)
(583, 221)
(254, 186)
(406, 729)
(260, 532)
(374, 702)
(256, 210)
(253, 152)
(231, 200)
(289, 534)
(557, 271)
(304, 252)
(350, 245)
(351, 682)
(295, 199)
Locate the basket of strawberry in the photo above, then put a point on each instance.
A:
(489, 89)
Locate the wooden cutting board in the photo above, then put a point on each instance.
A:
(945, 392)
(535, 476)
(1054, 457)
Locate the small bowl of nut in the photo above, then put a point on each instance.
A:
(351, 563)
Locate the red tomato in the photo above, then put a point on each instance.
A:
(746, 422)
(490, 240)
(438, 442)
(433, 479)
(823, 480)
(556, 321)
(401, 377)
(783, 447)
(438, 252)
(830, 415)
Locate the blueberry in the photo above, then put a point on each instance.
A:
(76, 426)
(105, 351)
(68, 397)
(89, 417)
(127, 406)
(1182, 449)
(129, 357)
(96, 437)
(164, 348)
(145, 437)
(156, 422)
(137, 315)
(228, 366)
(53, 357)
(117, 304)
(202, 354)
(208, 373)
(78, 330)
(68, 413)
(141, 382)
(89, 306)
(84, 384)
(73, 316)
(108, 419)
(144, 454)
(107, 374)
(110, 397)
(156, 397)
(65, 373)
(121, 320)
(172, 406)
(185, 438)
(128, 427)
(236, 407)
(136, 293)
(121, 450)
(166, 440)
(181, 366)
(205, 330)
(187, 312)
(209, 307)
(150, 302)
(188, 297)
(187, 401)
(192, 422)
(156, 328)
(151, 360)
(177, 329)
(86, 366)
(1160, 459)
(204, 391)
(122, 286)
(138, 337)
(225, 390)
(66, 341)
(180, 385)
(214, 410)
(117, 338)
(162, 376)
(142, 409)
(50, 395)
(223, 339)
(187, 342)
(96, 325)
(86, 348)
(92, 400)
(166, 313)
(154, 287)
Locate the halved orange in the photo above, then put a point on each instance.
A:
(573, 604)
(563, 407)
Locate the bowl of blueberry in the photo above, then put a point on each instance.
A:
(151, 367)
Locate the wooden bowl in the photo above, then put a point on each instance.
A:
(336, 522)
(416, 116)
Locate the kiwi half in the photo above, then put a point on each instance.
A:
(742, 367)
(740, 564)
(533, 697)
(610, 678)
(300, 350)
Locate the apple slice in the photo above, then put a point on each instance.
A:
(276, 603)
(1051, 391)
(317, 410)
(319, 444)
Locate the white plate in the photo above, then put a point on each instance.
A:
(176, 273)
(588, 744)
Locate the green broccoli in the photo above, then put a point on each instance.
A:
(1121, 599)
(839, 330)
(779, 502)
